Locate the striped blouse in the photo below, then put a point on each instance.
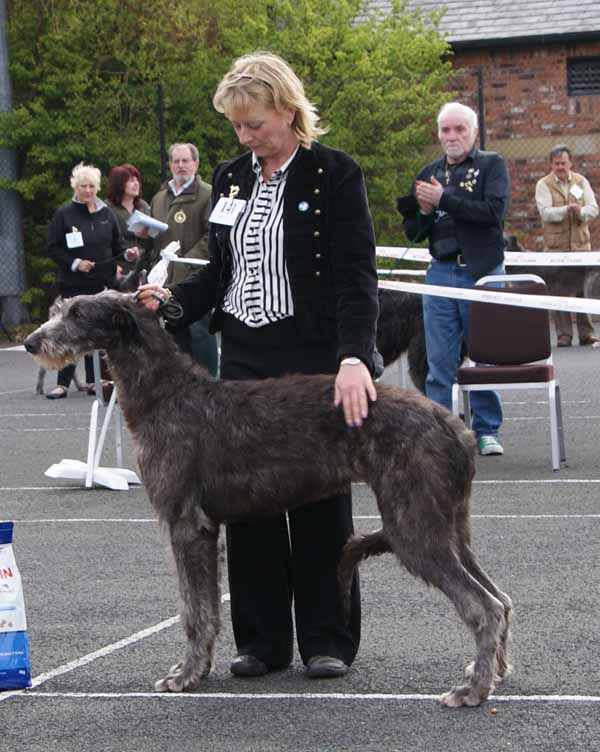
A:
(259, 292)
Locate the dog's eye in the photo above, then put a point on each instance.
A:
(75, 312)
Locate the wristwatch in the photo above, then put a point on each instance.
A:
(352, 361)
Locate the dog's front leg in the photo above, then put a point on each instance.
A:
(195, 549)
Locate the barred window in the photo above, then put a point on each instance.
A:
(583, 76)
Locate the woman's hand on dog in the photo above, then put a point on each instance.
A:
(354, 388)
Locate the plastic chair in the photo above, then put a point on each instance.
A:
(511, 349)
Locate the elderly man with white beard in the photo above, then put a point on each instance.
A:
(458, 203)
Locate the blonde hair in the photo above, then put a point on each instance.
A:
(266, 79)
(85, 173)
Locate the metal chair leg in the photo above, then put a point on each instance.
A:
(467, 408)
(561, 430)
(554, 434)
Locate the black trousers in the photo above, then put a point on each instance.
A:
(276, 562)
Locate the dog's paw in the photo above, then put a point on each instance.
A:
(502, 671)
(181, 678)
(465, 694)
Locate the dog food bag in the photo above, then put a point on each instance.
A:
(15, 672)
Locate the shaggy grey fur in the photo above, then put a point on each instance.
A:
(212, 452)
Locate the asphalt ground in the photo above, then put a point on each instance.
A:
(101, 605)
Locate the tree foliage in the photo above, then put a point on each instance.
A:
(85, 74)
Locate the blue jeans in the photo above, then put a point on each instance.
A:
(446, 325)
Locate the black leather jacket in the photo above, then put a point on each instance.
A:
(477, 209)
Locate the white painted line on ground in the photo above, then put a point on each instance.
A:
(44, 488)
(85, 519)
(545, 402)
(146, 520)
(44, 415)
(43, 430)
(507, 517)
(533, 481)
(90, 657)
(545, 417)
(521, 481)
(367, 696)
(506, 481)
(17, 391)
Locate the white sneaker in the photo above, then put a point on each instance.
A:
(488, 445)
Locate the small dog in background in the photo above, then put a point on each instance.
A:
(41, 377)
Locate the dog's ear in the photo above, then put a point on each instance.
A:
(125, 323)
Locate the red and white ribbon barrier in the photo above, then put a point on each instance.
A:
(549, 302)
(511, 258)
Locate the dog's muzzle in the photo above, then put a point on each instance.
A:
(32, 344)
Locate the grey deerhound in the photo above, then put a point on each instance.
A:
(212, 452)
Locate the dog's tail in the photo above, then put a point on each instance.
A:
(357, 549)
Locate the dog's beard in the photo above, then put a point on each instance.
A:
(56, 359)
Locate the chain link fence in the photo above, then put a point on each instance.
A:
(12, 262)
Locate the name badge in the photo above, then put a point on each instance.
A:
(74, 239)
(576, 192)
(227, 210)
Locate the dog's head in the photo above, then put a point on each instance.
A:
(83, 324)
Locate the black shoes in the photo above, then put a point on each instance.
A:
(59, 392)
(325, 667)
(318, 667)
(248, 665)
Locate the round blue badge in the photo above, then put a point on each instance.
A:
(303, 206)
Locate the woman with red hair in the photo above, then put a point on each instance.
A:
(124, 196)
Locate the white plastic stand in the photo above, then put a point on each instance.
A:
(115, 478)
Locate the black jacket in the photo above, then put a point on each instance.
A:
(102, 243)
(478, 213)
(329, 251)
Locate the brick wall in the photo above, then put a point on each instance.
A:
(527, 112)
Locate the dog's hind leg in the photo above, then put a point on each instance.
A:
(473, 567)
(196, 551)
(484, 615)
(433, 558)
(39, 384)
